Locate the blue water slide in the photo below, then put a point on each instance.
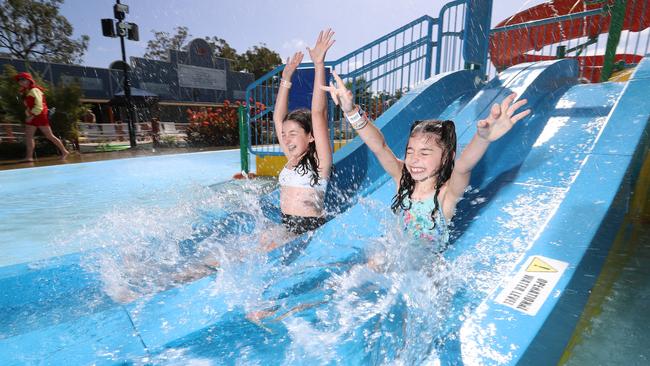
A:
(362, 224)
(53, 289)
(341, 242)
(551, 192)
(578, 153)
(547, 200)
(579, 174)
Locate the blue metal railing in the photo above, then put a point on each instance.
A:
(450, 37)
(377, 74)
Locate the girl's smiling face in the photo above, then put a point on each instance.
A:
(423, 156)
(295, 138)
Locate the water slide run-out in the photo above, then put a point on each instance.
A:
(522, 224)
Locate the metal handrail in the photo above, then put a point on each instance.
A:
(391, 56)
(340, 60)
(442, 33)
(387, 36)
(278, 69)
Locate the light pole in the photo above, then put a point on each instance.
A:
(130, 31)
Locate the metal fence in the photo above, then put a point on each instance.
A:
(380, 72)
(377, 74)
(585, 35)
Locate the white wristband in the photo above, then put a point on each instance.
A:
(285, 83)
(358, 120)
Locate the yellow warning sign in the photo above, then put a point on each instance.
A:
(538, 265)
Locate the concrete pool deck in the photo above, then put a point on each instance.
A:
(76, 157)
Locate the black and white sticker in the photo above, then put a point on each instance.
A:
(532, 285)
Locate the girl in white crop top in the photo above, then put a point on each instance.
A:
(289, 177)
(304, 138)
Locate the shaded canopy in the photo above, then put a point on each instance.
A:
(138, 97)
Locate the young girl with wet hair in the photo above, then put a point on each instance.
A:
(304, 138)
(429, 182)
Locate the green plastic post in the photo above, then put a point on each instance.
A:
(243, 139)
(615, 28)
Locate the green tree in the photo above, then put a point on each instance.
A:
(69, 109)
(34, 30)
(159, 47)
(221, 48)
(259, 60)
(361, 91)
(11, 102)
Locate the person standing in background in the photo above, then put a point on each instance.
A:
(36, 115)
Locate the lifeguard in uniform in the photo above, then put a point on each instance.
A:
(36, 115)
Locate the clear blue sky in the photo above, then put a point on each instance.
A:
(285, 26)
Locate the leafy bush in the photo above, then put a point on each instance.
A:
(216, 126)
(11, 102)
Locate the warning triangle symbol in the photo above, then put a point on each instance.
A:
(538, 265)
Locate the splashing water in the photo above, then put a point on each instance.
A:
(344, 299)
(147, 250)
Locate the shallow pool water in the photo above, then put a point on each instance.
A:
(43, 207)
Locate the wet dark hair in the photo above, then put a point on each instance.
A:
(309, 161)
(445, 133)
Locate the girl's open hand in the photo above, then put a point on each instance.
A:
(292, 65)
(501, 118)
(340, 94)
(323, 43)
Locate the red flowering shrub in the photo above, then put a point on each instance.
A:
(216, 126)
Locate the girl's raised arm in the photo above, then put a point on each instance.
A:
(368, 132)
(499, 121)
(282, 100)
(319, 102)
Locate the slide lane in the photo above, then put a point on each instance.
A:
(572, 191)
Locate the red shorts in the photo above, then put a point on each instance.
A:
(39, 120)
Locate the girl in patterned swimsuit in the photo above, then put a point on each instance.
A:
(429, 181)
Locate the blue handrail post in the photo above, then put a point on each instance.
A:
(429, 58)
(476, 34)
(439, 45)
